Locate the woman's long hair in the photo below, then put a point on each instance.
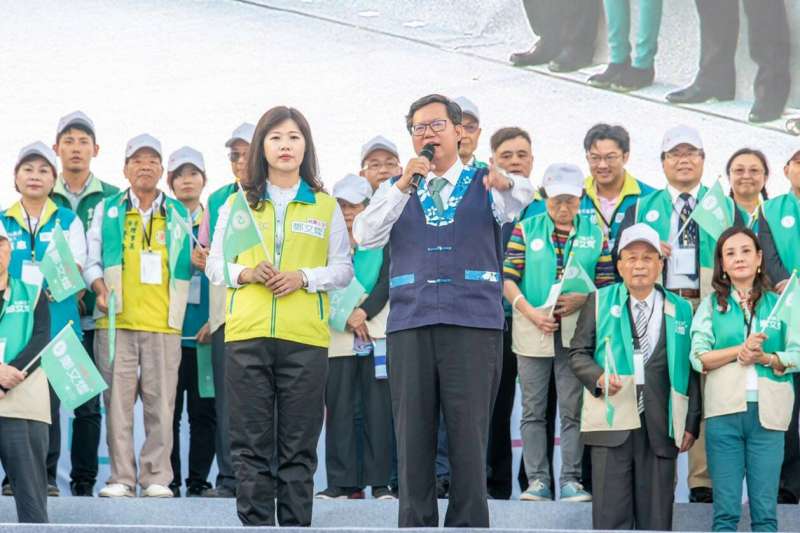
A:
(761, 157)
(722, 282)
(257, 167)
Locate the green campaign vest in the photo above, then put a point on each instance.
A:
(585, 241)
(783, 216)
(16, 317)
(216, 200)
(613, 325)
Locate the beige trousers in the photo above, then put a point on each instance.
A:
(145, 366)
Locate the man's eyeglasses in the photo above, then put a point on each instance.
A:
(687, 154)
(236, 156)
(472, 127)
(418, 129)
(610, 159)
(375, 166)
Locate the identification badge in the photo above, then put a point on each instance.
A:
(31, 273)
(194, 289)
(638, 366)
(150, 268)
(683, 261)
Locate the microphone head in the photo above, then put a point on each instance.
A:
(427, 151)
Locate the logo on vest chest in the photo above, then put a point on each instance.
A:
(619, 218)
(788, 221)
(46, 236)
(616, 311)
(19, 306)
(652, 215)
(113, 212)
(161, 237)
(311, 227)
(680, 327)
(537, 244)
(584, 242)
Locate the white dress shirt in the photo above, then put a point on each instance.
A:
(679, 281)
(335, 275)
(371, 228)
(655, 303)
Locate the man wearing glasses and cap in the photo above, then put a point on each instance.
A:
(379, 161)
(79, 190)
(641, 401)
(238, 146)
(442, 220)
(129, 254)
(471, 120)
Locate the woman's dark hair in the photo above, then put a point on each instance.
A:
(506, 134)
(722, 282)
(257, 167)
(607, 132)
(749, 151)
(453, 109)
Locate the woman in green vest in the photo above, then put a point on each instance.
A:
(748, 172)
(746, 352)
(24, 395)
(276, 327)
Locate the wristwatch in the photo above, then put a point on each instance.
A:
(768, 364)
(305, 279)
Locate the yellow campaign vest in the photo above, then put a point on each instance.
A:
(144, 307)
(251, 311)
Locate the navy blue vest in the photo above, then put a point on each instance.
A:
(447, 269)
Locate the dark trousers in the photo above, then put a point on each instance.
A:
(768, 35)
(351, 381)
(222, 439)
(54, 438)
(86, 431)
(202, 424)
(267, 376)
(458, 370)
(498, 457)
(23, 453)
(633, 487)
(565, 24)
(790, 471)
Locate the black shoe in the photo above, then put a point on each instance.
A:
(763, 112)
(695, 94)
(82, 488)
(701, 495)
(52, 490)
(569, 61)
(633, 79)
(538, 55)
(610, 75)
(7, 491)
(383, 493)
(787, 497)
(341, 493)
(176, 489)
(442, 487)
(219, 492)
(196, 489)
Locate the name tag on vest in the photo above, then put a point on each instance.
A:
(314, 228)
(31, 273)
(195, 285)
(150, 268)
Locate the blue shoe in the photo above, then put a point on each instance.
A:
(537, 492)
(574, 492)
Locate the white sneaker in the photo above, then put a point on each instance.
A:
(116, 490)
(157, 491)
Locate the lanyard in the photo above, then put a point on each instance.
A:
(147, 234)
(32, 233)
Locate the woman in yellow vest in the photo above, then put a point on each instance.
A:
(24, 395)
(746, 351)
(276, 331)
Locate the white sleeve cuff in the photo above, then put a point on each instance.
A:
(234, 270)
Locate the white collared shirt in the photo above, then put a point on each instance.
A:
(371, 228)
(655, 303)
(673, 280)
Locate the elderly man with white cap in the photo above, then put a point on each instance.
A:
(641, 401)
(380, 160)
(131, 260)
(357, 366)
(471, 121)
(542, 252)
(688, 248)
(79, 190)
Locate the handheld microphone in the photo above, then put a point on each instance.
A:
(426, 152)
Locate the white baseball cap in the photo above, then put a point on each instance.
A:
(183, 155)
(563, 178)
(353, 189)
(640, 232)
(468, 107)
(681, 135)
(76, 118)
(378, 143)
(145, 140)
(244, 132)
(37, 148)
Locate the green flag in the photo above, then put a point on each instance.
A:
(241, 232)
(59, 268)
(786, 308)
(205, 371)
(576, 279)
(70, 371)
(609, 368)
(178, 234)
(714, 212)
(342, 303)
(112, 326)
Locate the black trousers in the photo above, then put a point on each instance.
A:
(86, 431)
(458, 370)
(267, 376)
(23, 453)
(768, 35)
(351, 381)
(565, 24)
(790, 471)
(202, 424)
(222, 439)
(54, 437)
(499, 454)
(633, 487)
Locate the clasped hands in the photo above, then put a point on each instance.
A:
(280, 283)
(751, 351)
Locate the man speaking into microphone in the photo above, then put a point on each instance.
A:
(444, 332)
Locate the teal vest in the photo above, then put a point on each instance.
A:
(216, 200)
(16, 317)
(783, 216)
(196, 313)
(367, 267)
